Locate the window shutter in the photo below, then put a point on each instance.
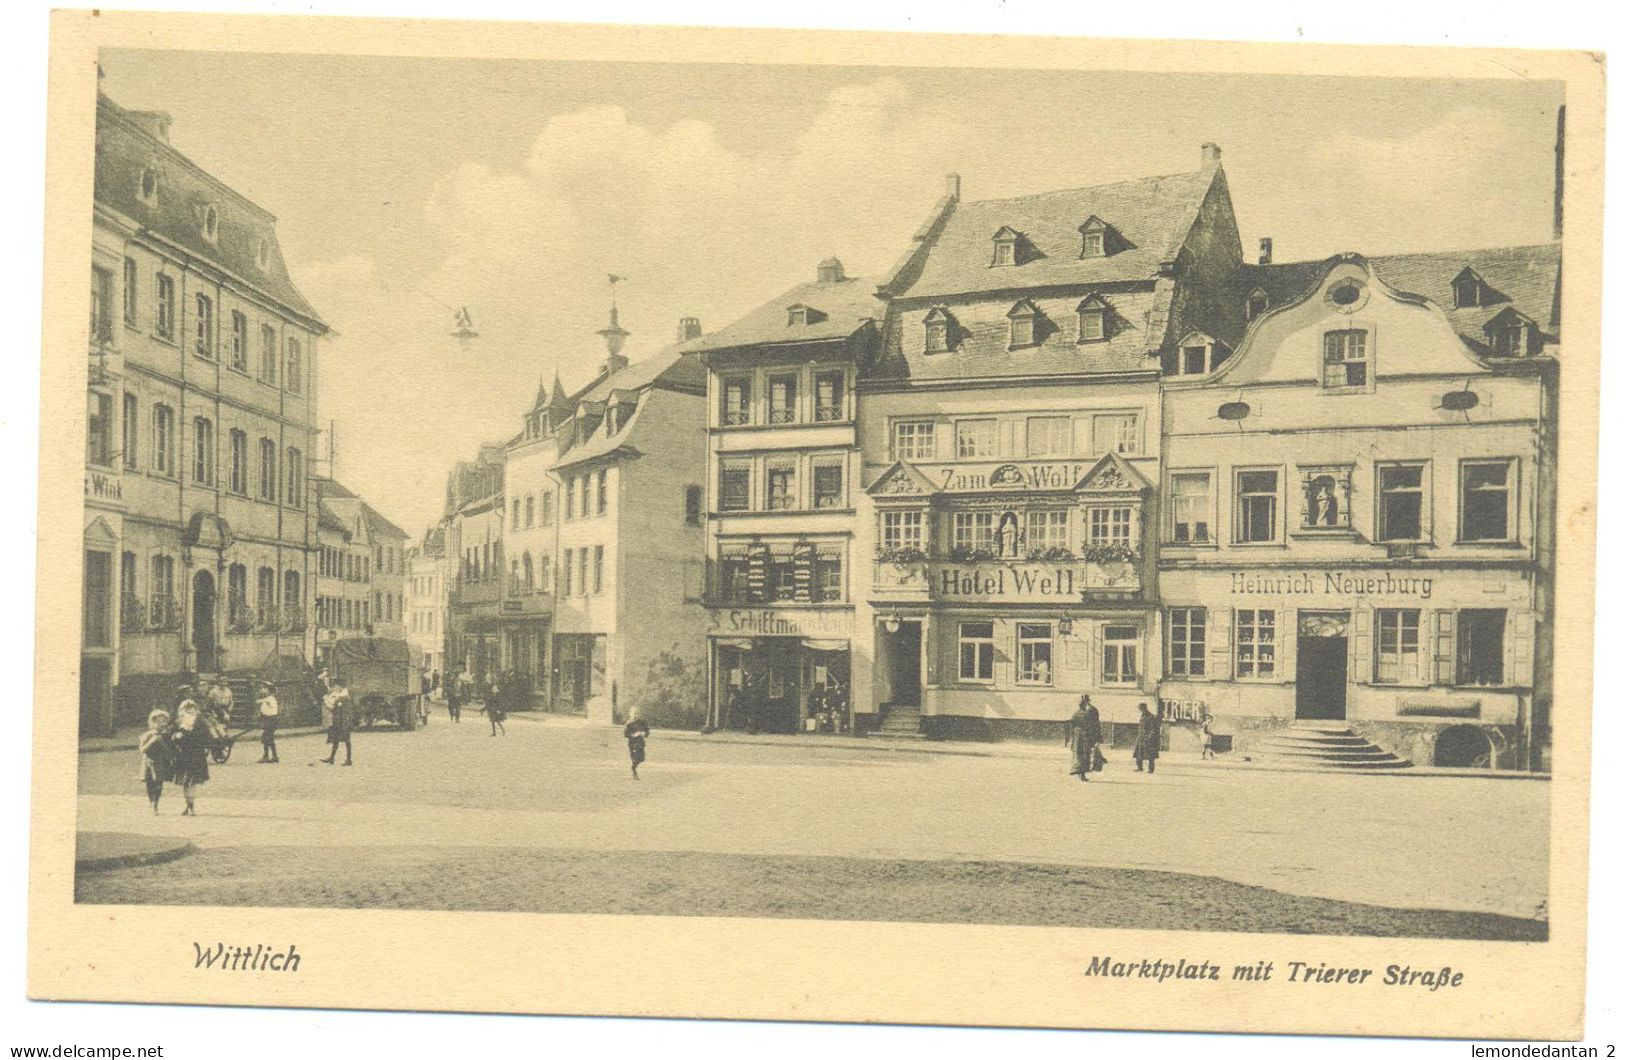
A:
(1218, 643)
(1286, 645)
(1004, 665)
(804, 553)
(1097, 652)
(1444, 647)
(1362, 645)
(1520, 642)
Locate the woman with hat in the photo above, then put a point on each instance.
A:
(268, 711)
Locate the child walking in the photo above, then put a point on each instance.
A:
(269, 710)
(192, 740)
(1207, 739)
(157, 756)
(637, 735)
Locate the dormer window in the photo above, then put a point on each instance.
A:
(939, 327)
(149, 185)
(1004, 246)
(1257, 303)
(1023, 317)
(802, 315)
(1468, 289)
(262, 253)
(1097, 241)
(1092, 319)
(1511, 341)
(1198, 354)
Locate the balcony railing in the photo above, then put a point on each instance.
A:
(293, 618)
(164, 614)
(132, 615)
(239, 616)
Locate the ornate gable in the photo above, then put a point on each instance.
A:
(1112, 476)
(902, 480)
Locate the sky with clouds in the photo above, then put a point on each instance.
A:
(406, 187)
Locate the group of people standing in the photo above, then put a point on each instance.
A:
(500, 694)
(1083, 737)
(179, 741)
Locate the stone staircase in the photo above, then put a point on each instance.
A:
(1324, 745)
(900, 722)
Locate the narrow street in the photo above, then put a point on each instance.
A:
(549, 819)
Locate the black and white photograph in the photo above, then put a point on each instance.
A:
(839, 492)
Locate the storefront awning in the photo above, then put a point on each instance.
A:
(816, 644)
(742, 643)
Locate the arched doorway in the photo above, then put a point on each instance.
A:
(1463, 747)
(203, 639)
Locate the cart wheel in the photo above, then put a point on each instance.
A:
(222, 753)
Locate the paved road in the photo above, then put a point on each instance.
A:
(1457, 843)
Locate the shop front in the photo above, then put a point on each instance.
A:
(780, 669)
(1434, 663)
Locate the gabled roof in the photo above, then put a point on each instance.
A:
(1112, 474)
(1152, 215)
(377, 524)
(326, 519)
(126, 146)
(847, 306)
(902, 479)
(327, 487)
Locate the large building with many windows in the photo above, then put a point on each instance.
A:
(426, 600)
(199, 533)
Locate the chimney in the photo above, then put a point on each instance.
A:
(1266, 250)
(1557, 184)
(953, 186)
(688, 328)
(1210, 155)
(830, 270)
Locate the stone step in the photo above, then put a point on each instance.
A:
(1366, 754)
(1391, 762)
(1331, 746)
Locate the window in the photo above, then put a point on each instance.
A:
(1004, 250)
(1480, 659)
(295, 467)
(782, 579)
(129, 603)
(149, 185)
(586, 484)
(1257, 303)
(1193, 360)
(1111, 526)
(131, 291)
(581, 570)
(529, 569)
(268, 479)
(165, 612)
(98, 627)
(1486, 500)
(899, 530)
(268, 366)
(1399, 502)
(1192, 507)
(1325, 498)
(163, 440)
(938, 331)
(1187, 641)
(239, 341)
(733, 488)
(101, 304)
(237, 466)
(734, 577)
(1023, 326)
(530, 509)
(205, 326)
(1116, 433)
(513, 520)
(1256, 497)
(1399, 653)
(781, 399)
(290, 589)
(1120, 664)
(1092, 319)
(546, 573)
(1049, 436)
(1345, 362)
(976, 651)
(781, 487)
(973, 531)
(735, 402)
(1509, 340)
(293, 373)
(1467, 290)
(165, 322)
(265, 594)
(237, 596)
(262, 252)
(1094, 243)
(132, 429)
(1035, 653)
(547, 508)
(693, 505)
(914, 441)
(1047, 531)
(211, 223)
(829, 397)
(99, 429)
(598, 568)
(976, 439)
(202, 451)
(1255, 643)
(603, 490)
(827, 486)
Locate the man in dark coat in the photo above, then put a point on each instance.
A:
(454, 696)
(1083, 737)
(1149, 740)
(338, 732)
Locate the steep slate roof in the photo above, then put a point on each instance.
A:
(327, 487)
(1151, 215)
(379, 525)
(125, 147)
(670, 366)
(847, 305)
(328, 520)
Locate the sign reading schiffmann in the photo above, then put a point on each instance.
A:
(804, 623)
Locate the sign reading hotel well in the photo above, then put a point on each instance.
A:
(1035, 582)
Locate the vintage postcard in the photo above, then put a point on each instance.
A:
(850, 527)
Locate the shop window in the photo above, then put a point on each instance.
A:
(829, 397)
(1192, 507)
(902, 530)
(99, 429)
(1480, 658)
(1120, 660)
(976, 651)
(735, 402)
(1344, 364)
(828, 489)
(781, 399)
(781, 487)
(973, 531)
(1047, 532)
(1255, 643)
(1035, 653)
(1257, 497)
(1116, 433)
(1486, 500)
(1049, 436)
(1399, 646)
(914, 441)
(1325, 498)
(1111, 526)
(1187, 641)
(1399, 502)
(976, 439)
(733, 488)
